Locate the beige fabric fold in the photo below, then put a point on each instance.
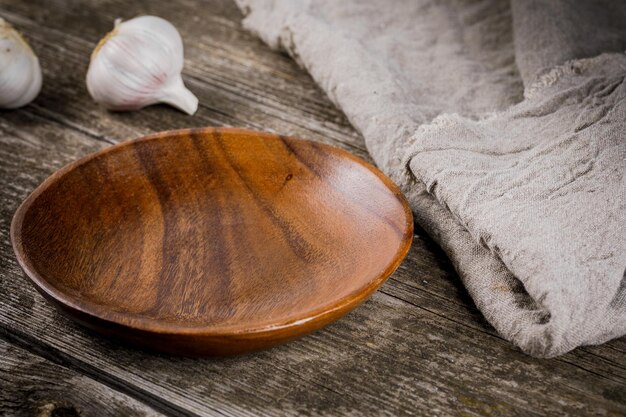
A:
(520, 178)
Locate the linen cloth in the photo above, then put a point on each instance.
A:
(505, 126)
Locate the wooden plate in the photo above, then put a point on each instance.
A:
(212, 241)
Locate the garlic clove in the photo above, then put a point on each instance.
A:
(139, 64)
(20, 73)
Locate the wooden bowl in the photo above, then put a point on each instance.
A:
(212, 241)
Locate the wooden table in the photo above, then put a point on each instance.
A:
(417, 347)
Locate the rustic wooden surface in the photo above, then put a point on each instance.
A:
(32, 385)
(417, 347)
(213, 241)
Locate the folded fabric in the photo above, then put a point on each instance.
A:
(505, 126)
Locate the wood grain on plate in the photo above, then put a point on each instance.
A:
(212, 241)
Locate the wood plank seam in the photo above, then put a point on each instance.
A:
(54, 355)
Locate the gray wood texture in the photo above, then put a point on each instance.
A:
(417, 347)
(31, 385)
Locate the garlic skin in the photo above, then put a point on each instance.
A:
(139, 64)
(20, 73)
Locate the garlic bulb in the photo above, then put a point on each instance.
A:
(139, 64)
(20, 74)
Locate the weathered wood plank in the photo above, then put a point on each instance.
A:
(33, 386)
(419, 346)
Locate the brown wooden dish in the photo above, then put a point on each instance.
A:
(212, 241)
